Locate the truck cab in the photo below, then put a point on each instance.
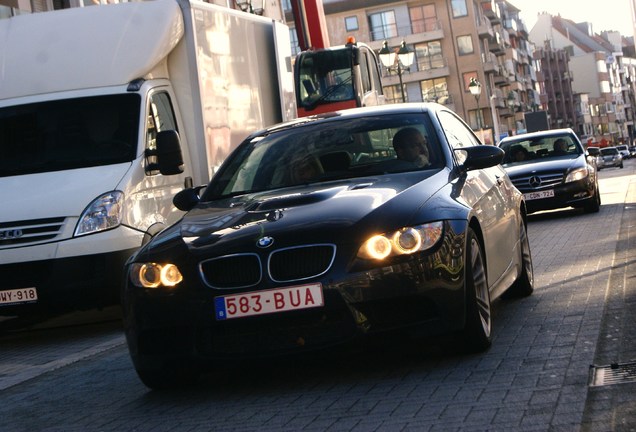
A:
(335, 78)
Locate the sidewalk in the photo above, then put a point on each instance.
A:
(611, 400)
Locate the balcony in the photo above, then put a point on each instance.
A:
(491, 10)
(489, 61)
(423, 31)
(496, 45)
(484, 29)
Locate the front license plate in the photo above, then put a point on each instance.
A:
(18, 296)
(539, 195)
(268, 301)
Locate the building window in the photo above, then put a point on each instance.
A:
(459, 8)
(393, 94)
(429, 56)
(286, 6)
(434, 90)
(465, 45)
(293, 40)
(467, 77)
(383, 25)
(351, 23)
(423, 19)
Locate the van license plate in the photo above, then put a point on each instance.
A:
(18, 296)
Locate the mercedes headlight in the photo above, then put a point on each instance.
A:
(577, 174)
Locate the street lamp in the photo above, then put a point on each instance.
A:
(398, 62)
(475, 90)
(250, 6)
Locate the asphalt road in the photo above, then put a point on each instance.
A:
(73, 373)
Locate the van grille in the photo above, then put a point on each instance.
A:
(29, 231)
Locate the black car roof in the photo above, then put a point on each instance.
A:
(402, 108)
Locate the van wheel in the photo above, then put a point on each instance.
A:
(476, 335)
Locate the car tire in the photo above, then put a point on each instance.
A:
(524, 285)
(476, 335)
(593, 205)
(169, 377)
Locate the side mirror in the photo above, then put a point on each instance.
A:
(482, 156)
(187, 199)
(593, 151)
(168, 156)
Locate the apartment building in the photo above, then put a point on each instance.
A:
(600, 69)
(559, 97)
(454, 42)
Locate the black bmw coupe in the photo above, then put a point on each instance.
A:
(326, 229)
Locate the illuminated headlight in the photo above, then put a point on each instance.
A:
(577, 174)
(103, 213)
(404, 241)
(153, 275)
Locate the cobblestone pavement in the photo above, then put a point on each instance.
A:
(536, 376)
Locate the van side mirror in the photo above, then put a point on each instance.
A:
(169, 159)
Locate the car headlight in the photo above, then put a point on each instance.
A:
(577, 174)
(153, 275)
(404, 241)
(103, 213)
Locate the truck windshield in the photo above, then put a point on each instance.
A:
(324, 77)
(68, 134)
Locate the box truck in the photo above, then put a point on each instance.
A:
(105, 113)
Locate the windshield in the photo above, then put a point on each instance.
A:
(540, 148)
(324, 76)
(609, 151)
(68, 134)
(329, 151)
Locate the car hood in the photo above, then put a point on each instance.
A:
(321, 213)
(562, 164)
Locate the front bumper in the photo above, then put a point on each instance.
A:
(572, 194)
(422, 293)
(66, 283)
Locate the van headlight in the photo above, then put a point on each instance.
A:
(404, 241)
(103, 213)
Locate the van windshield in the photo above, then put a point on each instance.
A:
(68, 134)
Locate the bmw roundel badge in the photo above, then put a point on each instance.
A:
(265, 242)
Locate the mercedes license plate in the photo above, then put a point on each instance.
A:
(539, 195)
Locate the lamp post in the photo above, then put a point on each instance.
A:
(511, 101)
(250, 6)
(398, 62)
(475, 89)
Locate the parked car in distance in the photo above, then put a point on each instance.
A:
(624, 151)
(325, 229)
(552, 170)
(610, 158)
